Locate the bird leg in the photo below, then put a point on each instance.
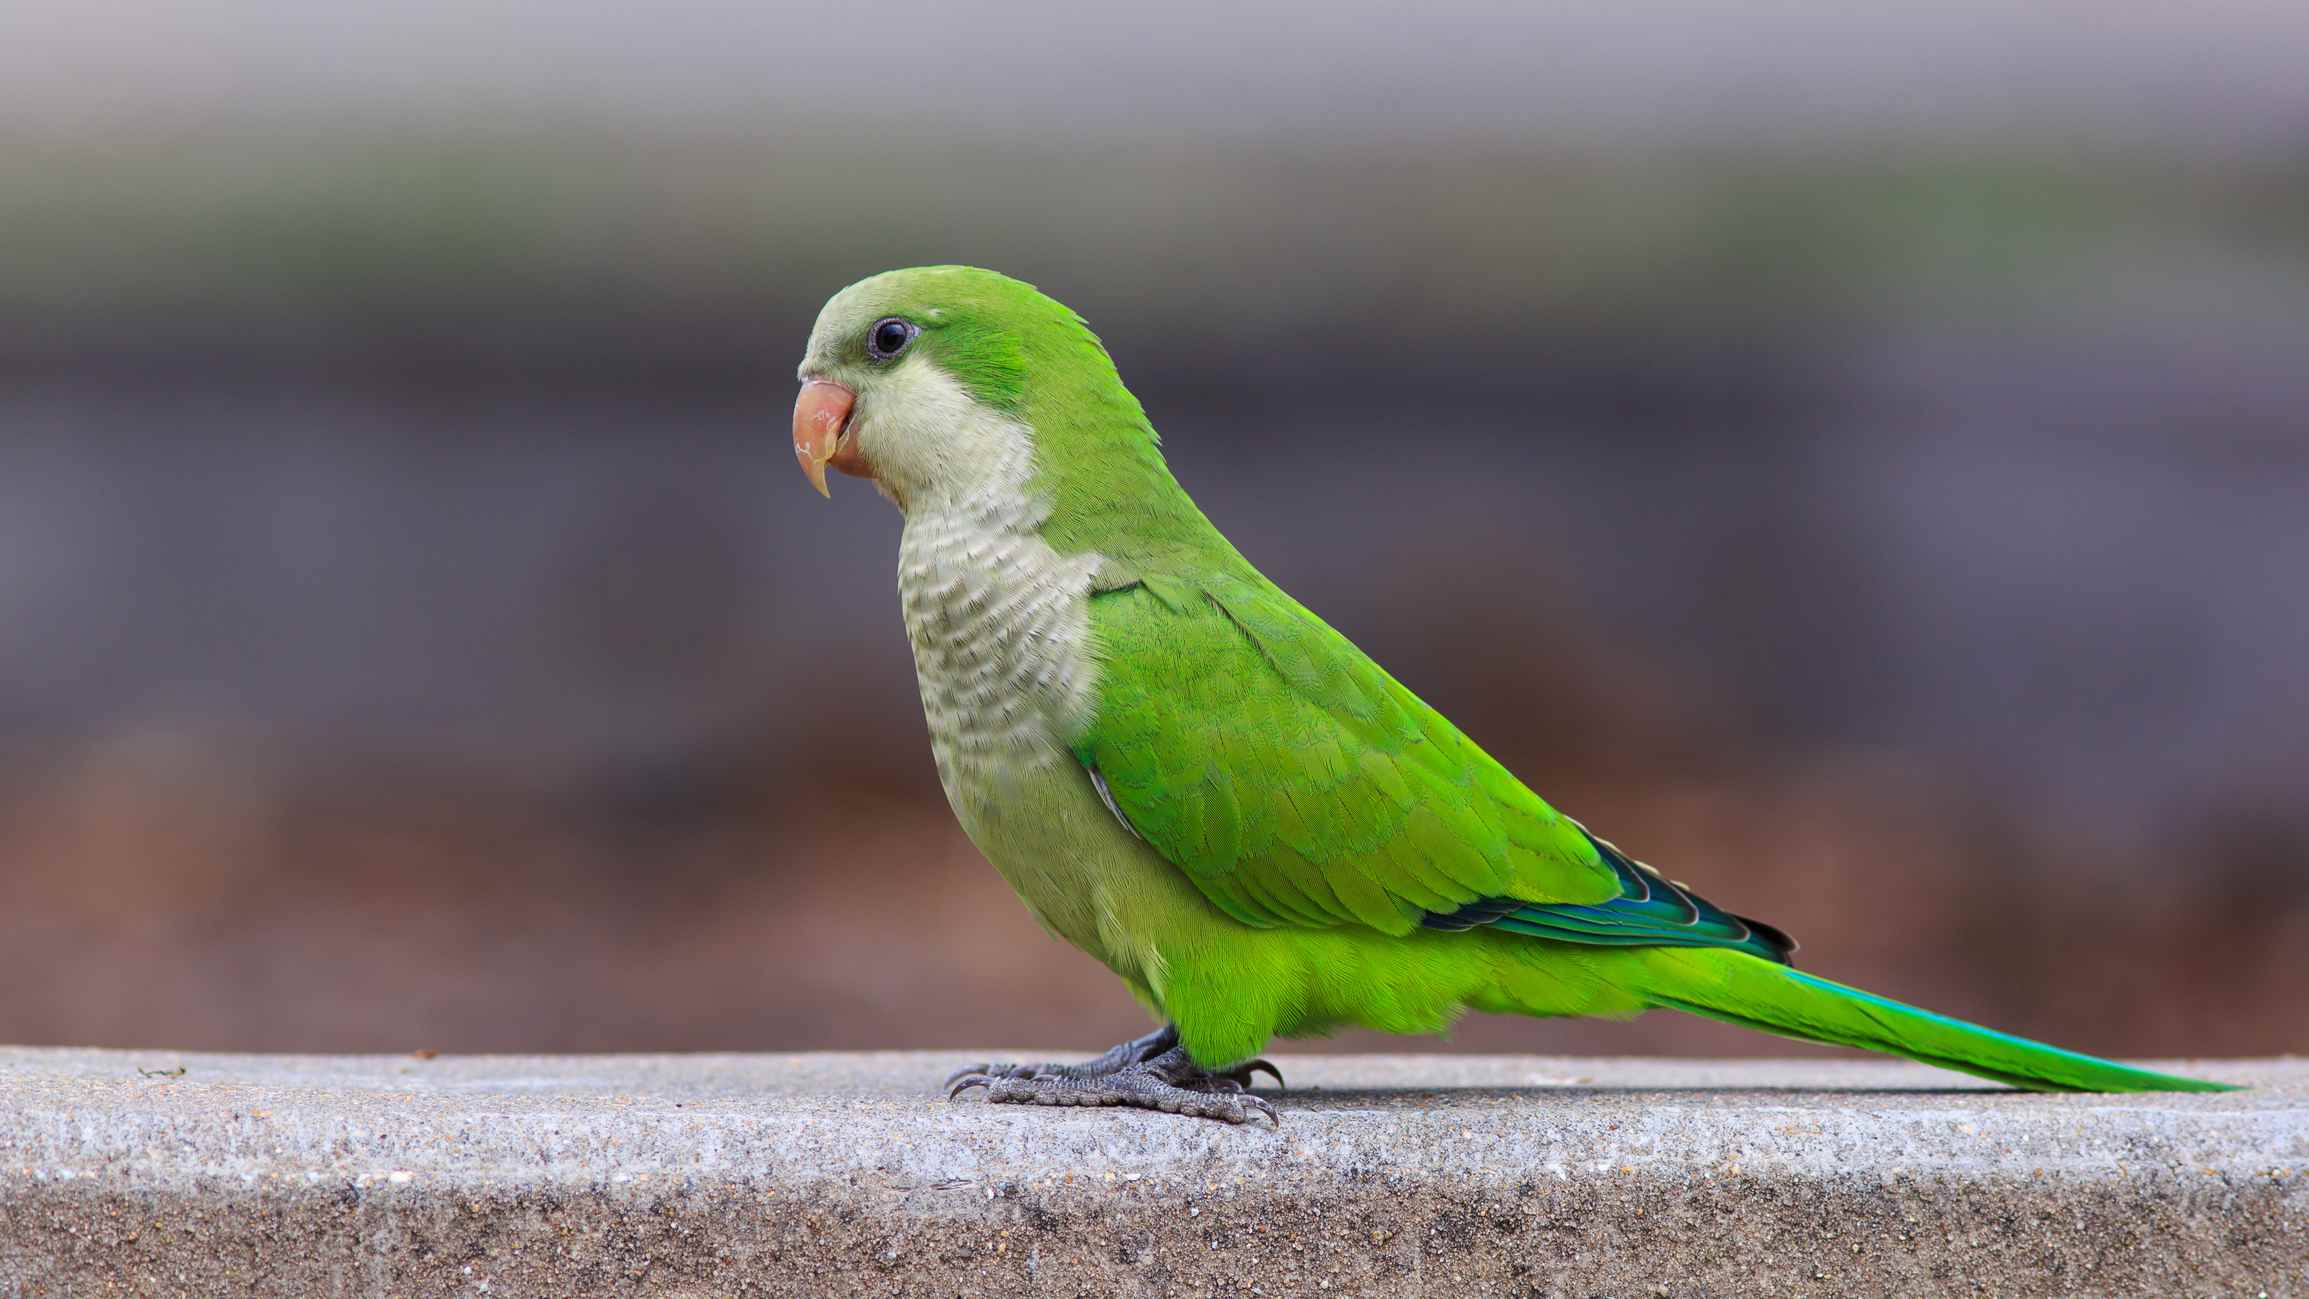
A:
(1167, 1080)
(1113, 1060)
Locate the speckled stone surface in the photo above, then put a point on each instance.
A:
(1391, 1175)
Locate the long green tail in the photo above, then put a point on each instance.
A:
(1755, 993)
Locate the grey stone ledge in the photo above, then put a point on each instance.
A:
(836, 1174)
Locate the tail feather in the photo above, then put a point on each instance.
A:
(1753, 993)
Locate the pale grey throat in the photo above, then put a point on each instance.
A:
(999, 620)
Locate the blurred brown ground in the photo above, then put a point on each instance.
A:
(160, 891)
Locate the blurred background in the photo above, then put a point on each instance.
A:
(1875, 487)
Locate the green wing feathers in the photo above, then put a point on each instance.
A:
(1295, 782)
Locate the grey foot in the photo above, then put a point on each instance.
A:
(1168, 1081)
(1114, 1060)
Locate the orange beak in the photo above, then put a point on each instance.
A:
(821, 428)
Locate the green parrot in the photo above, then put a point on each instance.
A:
(1189, 776)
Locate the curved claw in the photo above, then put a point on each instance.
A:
(1249, 1069)
(969, 1069)
(966, 1080)
(1260, 1105)
(1002, 1069)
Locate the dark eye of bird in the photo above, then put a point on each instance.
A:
(888, 338)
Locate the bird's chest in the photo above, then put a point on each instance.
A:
(1000, 626)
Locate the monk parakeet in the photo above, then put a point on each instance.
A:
(1194, 779)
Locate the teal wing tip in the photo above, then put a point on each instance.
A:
(1651, 911)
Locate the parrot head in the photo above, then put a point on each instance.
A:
(927, 381)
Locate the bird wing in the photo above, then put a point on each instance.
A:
(1296, 783)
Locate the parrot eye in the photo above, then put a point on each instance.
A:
(889, 337)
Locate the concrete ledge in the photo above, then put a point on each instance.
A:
(843, 1174)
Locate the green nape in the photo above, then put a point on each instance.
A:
(1097, 459)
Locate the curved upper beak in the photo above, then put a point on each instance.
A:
(821, 423)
